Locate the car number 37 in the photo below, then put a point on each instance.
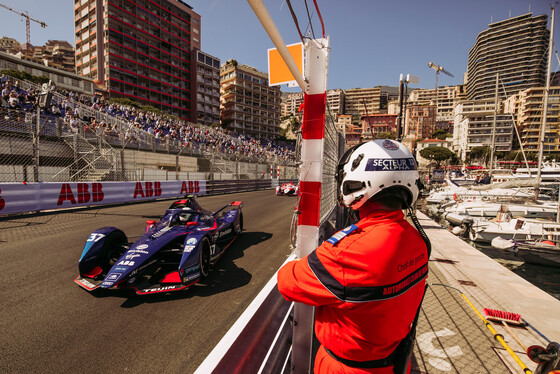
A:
(95, 237)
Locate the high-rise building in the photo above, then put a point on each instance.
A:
(474, 124)
(527, 108)
(142, 50)
(516, 49)
(362, 101)
(247, 103)
(207, 89)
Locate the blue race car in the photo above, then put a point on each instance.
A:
(173, 254)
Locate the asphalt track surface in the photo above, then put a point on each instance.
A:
(48, 324)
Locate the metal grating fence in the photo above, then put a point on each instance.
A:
(333, 149)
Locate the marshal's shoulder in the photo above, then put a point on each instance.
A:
(336, 238)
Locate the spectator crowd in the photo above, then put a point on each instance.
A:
(135, 123)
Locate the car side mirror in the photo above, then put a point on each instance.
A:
(149, 223)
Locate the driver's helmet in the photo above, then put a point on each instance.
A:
(184, 217)
(369, 168)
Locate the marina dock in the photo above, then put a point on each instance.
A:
(451, 338)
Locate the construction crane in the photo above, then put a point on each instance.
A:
(27, 22)
(439, 69)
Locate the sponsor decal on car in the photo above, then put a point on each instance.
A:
(85, 282)
(125, 263)
(189, 248)
(142, 246)
(192, 241)
(130, 257)
(138, 250)
(191, 277)
(160, 289)
(192, 268)
(114, 276)
(225, 232)
(107, 283)
(161, 232)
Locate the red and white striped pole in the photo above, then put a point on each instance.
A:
(278, 172)
(313, 132)
(311, 169)
(311, 174)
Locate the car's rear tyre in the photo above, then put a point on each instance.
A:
(204, 258)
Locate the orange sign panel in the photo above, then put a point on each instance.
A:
(278, 72)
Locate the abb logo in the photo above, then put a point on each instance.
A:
(2, 202)
(190, 187)
(83, 193)
(150, 189)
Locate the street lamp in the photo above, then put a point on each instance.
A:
(403, 86)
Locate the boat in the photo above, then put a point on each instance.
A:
(532, 252)
(455, 212)
(454, 192)
(550, 172)
(518, 229)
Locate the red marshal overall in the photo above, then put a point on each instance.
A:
(367, 283)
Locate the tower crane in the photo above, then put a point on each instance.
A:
(439, 69)
(27, 22)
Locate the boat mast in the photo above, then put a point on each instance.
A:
(494, 126)
(545, 104)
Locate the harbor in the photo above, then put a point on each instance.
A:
(451, 338)
(547, 278)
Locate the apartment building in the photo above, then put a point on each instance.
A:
(58, 54)
(473, 127)
(516, 49)
(420, 120)
(374, 124)
(291, 102)
(528, 109)
(361, 101)
(343, 122)
(247, 103)
(444, 99)
(207, 89)
(140, 49)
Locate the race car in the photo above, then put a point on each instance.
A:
(287, 189)
(172, 255)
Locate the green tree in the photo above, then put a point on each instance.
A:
(124, 101)
(386, 135)
(479, 154)
(440, 134)
(437, 154)
(23, 76)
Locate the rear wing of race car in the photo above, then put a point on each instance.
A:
(233, 205)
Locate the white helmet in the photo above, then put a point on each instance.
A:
(369, 168)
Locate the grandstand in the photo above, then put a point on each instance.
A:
(83, 138)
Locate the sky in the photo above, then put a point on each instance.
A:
(372, 41)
